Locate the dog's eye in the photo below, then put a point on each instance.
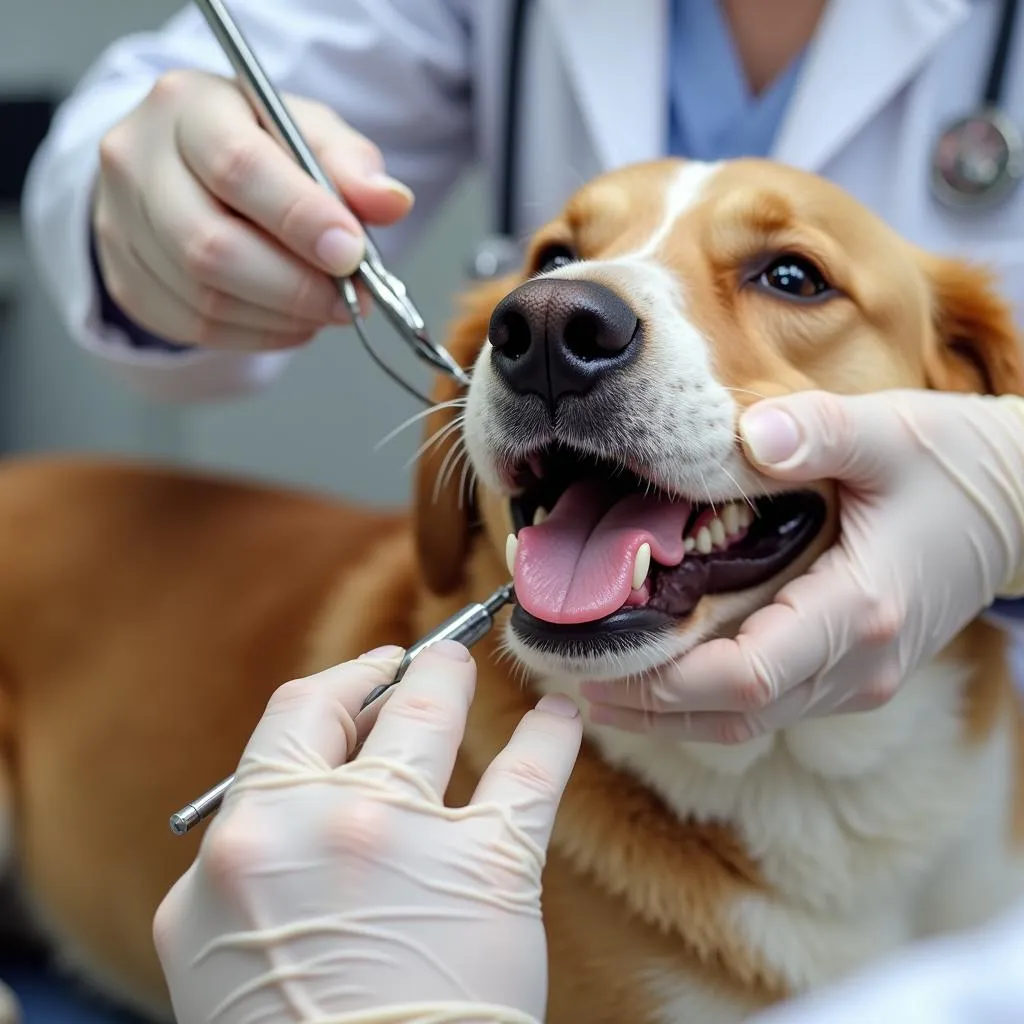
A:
(551, 257)
(795, 276)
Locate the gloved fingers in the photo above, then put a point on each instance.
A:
(529, 776)
(172, 913)
(800, 636)
(729, 676)
(421, 725)
(217, 308)
(216, 251)
(315, 715)
(153, 305)
(711, 726)
(243, 167)
(865, 682)
(776, 648)
(270, 288)
(816, 435)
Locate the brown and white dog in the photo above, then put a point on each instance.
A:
(147, 614)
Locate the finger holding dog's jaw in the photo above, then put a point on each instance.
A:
(789, 644)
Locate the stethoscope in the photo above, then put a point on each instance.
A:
(977, 160)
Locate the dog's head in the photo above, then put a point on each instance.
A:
(608, 377)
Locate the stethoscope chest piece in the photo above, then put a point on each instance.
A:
(978, 161)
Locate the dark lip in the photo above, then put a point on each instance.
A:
(801, 514)
(623, 631)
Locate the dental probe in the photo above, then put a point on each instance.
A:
(467, 626)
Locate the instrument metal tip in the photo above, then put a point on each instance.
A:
(185, 820)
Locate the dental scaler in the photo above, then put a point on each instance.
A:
(467, 626)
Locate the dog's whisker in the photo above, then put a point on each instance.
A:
(707, 491)
(435, 439)
(454, 403)
(467, 482)
(461, 453)
(744, 391)
(443, 473)
(743, 494)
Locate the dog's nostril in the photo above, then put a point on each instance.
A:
(510, 335)
(589, 338)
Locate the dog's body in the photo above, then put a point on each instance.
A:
(147, 615)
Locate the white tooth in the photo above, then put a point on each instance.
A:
(540, 515)
(642, 565)
(689, 544)
(717, 532)
(746, 515)
(511, 547)
(704, 541)
(731, 517)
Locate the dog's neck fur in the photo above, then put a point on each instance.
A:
(800, 856)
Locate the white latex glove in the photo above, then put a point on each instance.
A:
(208, 233)
(973, 978)
(932, 530)
(346, 892)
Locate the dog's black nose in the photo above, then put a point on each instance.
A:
(554, 337)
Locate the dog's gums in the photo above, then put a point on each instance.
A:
(614, 561)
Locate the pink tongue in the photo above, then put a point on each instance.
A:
(577, 566)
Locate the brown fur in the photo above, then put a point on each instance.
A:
(146, 616)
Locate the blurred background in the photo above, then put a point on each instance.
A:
(311, 429)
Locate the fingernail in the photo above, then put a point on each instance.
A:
(339, 251)
(558, 704)
(451, 650)
(381, 180)
(388, 651)
(771, 435)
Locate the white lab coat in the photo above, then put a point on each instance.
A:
(423, 79)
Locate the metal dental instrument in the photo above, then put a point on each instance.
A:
(388, 289)
(467, 626)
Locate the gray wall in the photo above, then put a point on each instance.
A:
(317, 427)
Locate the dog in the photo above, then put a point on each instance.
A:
(147, 613)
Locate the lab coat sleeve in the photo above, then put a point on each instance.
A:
(396, 70)
(975, 977)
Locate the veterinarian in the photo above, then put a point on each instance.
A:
(327, 890)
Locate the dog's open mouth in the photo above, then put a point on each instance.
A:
(600, 557)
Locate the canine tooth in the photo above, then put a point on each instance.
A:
(746, 515)
(717, 529)
(511, 547)
(642, 565)
(731, 517)
(704, 541)
(689, 544)
(540, 515)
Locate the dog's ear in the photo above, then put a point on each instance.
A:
(977, 344)
(444, 508)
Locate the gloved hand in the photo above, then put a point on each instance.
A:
(208, 232)
(971, 977)
(932, 521)
(346, 892)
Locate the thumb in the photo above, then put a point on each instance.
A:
(816, 435)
